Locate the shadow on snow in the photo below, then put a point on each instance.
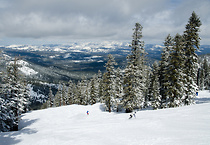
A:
(10, 138)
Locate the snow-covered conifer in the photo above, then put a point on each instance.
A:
(93, 93)
(109, 77)
(164, 68)
(154, 89)
(176, 88)
(135, 72)
(15, 94)
(192, 43)
(58, 96)
(100, 86)
(50, 98)
(71, 92)
(118, 90)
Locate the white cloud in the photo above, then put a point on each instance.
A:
(94, 19)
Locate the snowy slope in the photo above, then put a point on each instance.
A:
(69, 125)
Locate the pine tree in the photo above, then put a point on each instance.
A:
(109, 77)
(154, 93)
(71, 92)
(176, 74)
(58, 96)
(83, 87)
(206, 73)
(15, 94)
(118, 90)
(78, 93)
(92, 91)
(6, 115)
(50, 98)
(192, 43)
(164, 68)
(135, 72)
(64, 95)
(147, 85)
(100, 86)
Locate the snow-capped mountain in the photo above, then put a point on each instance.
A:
(71, 61)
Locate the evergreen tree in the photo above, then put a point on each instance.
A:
(15, 94)
(109, 77)
(154, 89)
(176, 87)
(135, 72)
(203, 75)
(58, 96)
(206, 73)
(147, 85)
(6, 115)
(78, 93)
(71, 93)
(100, 86)
(26, 97)
(92, 91)
(164, 68)
(192, 43)
(64, 95)
(118, 90)
(50, 98)
(83, 87)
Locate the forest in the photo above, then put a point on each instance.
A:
(171, 82)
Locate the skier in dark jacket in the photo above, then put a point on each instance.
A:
(130, 116)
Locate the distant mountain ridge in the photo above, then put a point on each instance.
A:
(53, 62)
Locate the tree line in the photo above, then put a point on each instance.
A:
(171, 82)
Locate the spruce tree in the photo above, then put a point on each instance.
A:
(50, 98)
(176, 74)
(192, 43)
(154, 89)
(7, 117)
(118, 90)
(93, 94)
(100, 86)
(206, 73)
(58, 96)
(164, 68)
(15, 94)
(109, 77)
(71, 92)
(135, 72)
(83, 87)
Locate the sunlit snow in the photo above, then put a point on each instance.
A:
(70, 125)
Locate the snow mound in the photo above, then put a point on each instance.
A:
(70, 125)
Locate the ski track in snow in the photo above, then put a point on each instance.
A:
(69, 125)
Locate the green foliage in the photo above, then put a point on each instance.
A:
(134, 78)
(192, 43)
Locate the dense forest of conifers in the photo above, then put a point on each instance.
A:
(171, 82)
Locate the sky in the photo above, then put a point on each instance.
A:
(63, 21)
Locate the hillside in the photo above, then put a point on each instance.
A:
(70, 125)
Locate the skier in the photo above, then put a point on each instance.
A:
(134, 114)
(130, 116)
(87, 112)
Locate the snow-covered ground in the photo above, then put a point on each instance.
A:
(69, 125)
